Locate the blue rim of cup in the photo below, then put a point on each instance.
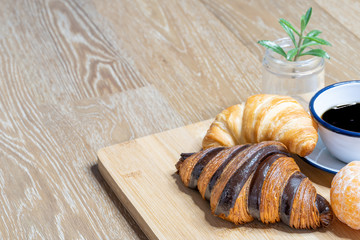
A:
(319, 166)
(322, 122)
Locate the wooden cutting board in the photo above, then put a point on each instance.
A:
(142, 174)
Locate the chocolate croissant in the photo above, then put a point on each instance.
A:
(264, 117)
(258, 181)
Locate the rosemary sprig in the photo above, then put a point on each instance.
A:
(303, 41)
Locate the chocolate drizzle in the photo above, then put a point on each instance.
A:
(254, 198)
(204, 159)
(238, 179)
(183, 157)
(324, 209)
(227, 173)
(288, 196)
(218, 172)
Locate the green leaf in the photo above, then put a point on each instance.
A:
(303, 24)
(289, 31)
(317, 53)
(303, 46)
(318, 40)
(273, 46)
(313, 33)
(308, 16)
(289, 25)
(291, 54)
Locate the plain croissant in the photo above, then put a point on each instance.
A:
(264, 117)
(258, 181)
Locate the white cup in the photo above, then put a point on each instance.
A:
(341, 143)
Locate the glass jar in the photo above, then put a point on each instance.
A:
(300, 79)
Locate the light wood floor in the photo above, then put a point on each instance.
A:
(76, 76)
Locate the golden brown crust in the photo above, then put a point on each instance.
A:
(279, 118)
(236, 164)
(264, 117)
(210, 169)
(304, 213)
(274, 183)
(225, 176)
(186, 167)
(226, 128)
(258, 181)
(239, 214)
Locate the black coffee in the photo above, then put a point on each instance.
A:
(344, 116)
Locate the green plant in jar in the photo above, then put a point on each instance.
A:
(301, 41)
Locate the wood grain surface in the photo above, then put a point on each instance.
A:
(76, 76)
(165, 209)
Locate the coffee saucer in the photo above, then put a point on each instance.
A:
(321, 158)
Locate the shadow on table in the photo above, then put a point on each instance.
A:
(95, 171)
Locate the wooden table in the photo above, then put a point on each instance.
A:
(76, 76)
